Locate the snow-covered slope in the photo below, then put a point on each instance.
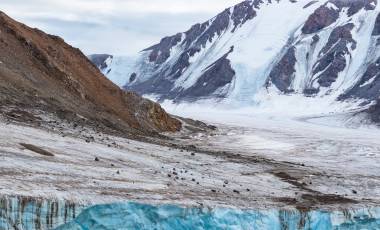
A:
(117, 69)
(327, 50)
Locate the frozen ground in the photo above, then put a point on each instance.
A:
(251, 161)
(328, 153)
(128, 170)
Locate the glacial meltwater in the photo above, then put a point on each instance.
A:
(29, 214)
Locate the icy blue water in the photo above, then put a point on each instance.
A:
(140, 216)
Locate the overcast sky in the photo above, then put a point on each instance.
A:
(121, 27)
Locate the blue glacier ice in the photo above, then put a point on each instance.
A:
(141, 216)
(34, 214)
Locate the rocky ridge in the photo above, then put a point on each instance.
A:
(40, 73)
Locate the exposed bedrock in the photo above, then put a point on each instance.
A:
(328, 13)
(208, 83)
(374, 111)
(369, 85)
(332, 59)
(320, 19)
(376, 29)
(283, 73)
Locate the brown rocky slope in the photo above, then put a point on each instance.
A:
(40, 72)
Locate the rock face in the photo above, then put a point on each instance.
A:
(369, 84)
(41, 72)
(321, 18)
(333, 55)
(283, 73)
(207, 82)
(374, 111)
(376, 30)
(161, 52)
(328, 13)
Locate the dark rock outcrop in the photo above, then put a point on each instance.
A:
(132, 77)
(158, 85)
(282, 74)
(161, 52)
(376, 29)
(369, 85)
(374, 112)
(332, 59)
(328, 13)
(216, 28)
(320, 19)
(354, 6)
(242, 13)
(208, 83)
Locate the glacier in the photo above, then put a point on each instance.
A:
(142, 216)
(26, 213)
(117, 69)
(21, 213)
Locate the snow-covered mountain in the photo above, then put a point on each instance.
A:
(326, 49)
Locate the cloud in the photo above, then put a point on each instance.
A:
(113, 26)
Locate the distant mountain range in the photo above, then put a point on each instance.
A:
(322, 49)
